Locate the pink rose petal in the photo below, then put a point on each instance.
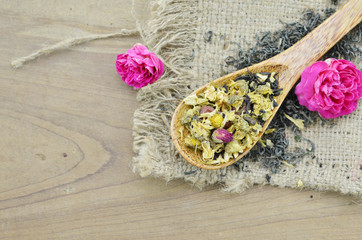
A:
(139, 67)
(332, 87)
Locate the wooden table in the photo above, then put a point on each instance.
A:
(66, 148)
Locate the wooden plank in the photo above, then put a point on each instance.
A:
(66, 146)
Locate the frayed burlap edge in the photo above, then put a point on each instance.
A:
(170, 34)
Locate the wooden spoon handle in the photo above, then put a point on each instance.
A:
(320, 40)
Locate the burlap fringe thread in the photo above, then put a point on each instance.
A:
(65, 44)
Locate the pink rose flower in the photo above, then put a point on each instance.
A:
(222, 136)
(332, 87)
(139, 67)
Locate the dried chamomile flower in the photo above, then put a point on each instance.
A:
(221, 96)
(262, 77)
(255, 129)
(191, 100)
(207, 152)
(264, 89)
(210, 93)
(235, 99)
(218, 147)
(188, 116)
(269, 143)
(298, 122)
(248, 141)
(181, 130)
(191, 141)
(230, 117)
(272, 79)
(194, 100)
(239, 134)
(243, 86)
(269, 130)
(262, 105)
(232, 85)
(200, 131)
(216, 120)
(234, 147)
(242, 125)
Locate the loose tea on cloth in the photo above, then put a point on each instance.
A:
(194, 38)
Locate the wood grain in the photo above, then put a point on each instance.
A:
(66, 146)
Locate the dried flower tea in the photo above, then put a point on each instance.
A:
(223, 121)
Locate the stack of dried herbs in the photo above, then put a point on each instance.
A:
(270, 44)
(223, 121)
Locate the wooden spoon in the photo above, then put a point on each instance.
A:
(289, 64)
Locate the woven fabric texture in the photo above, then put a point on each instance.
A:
(176, 32)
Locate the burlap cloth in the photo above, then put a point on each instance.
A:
(176, 33)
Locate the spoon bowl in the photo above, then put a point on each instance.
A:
(289, 66)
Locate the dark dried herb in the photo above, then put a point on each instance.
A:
(208, 36)
(189, 172)
(298, 138)
(230, 60)
(242, 168)
(270, 44)
(267, 177)
(249, 120)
